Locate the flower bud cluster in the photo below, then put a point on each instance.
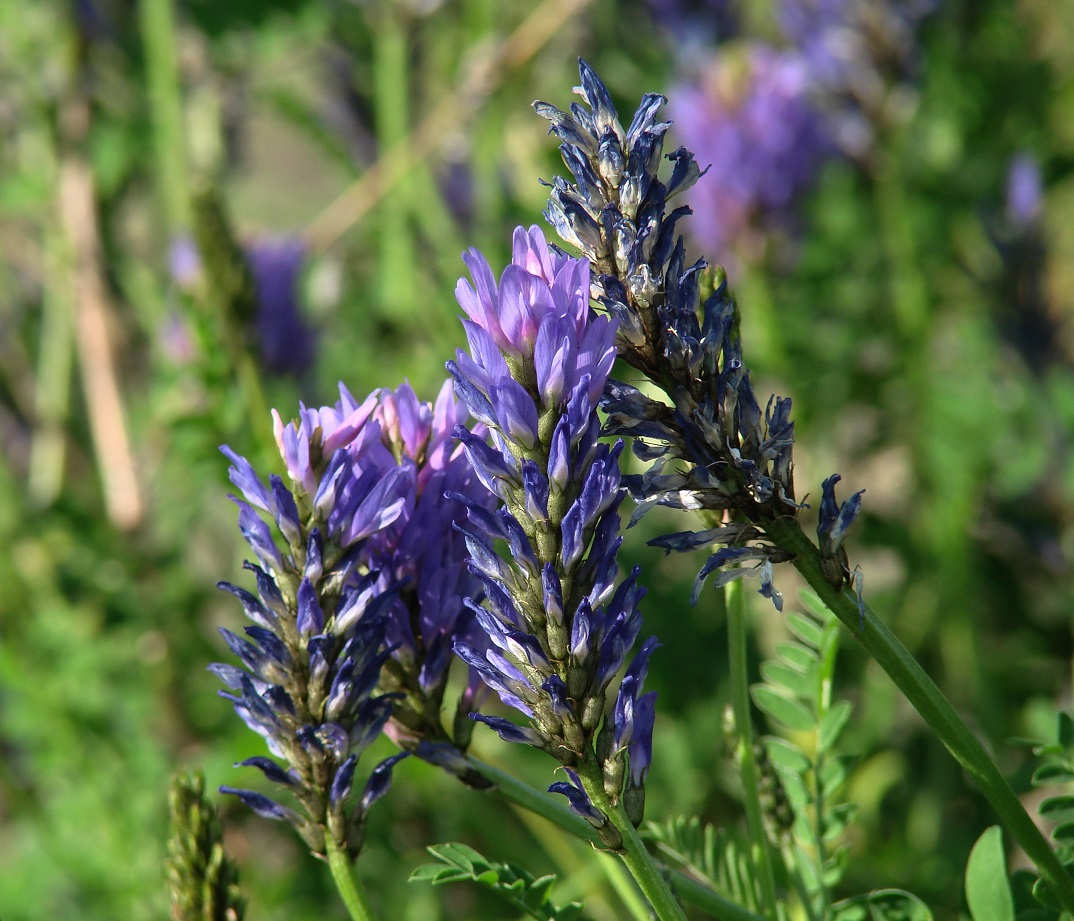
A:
(313, 655)
(560, 628)
(714, 448)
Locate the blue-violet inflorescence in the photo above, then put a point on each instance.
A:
(560, 628)
(423, 553)
(714, 449)
(313, 655)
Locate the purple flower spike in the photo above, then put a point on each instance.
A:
(538, 363)
(713, 446)
(427, 487)
(313, 658)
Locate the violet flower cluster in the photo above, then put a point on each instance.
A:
(285, 342)
(424, 554)
(560, 628)
(313, 655)
(714, 449)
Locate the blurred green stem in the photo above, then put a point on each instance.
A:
(522, 794)
(55, 361)
(760, 852)
(166, 111)
(909, 296)
(928, 700)
(350, 889)
(391, 80)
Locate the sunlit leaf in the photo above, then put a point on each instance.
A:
(988, 893)
(790, 713)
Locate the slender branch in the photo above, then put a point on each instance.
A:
(910, 678)
(350, 889)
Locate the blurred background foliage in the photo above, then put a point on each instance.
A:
(209, 209)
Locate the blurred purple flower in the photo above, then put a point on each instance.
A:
(286, 343)
(1024, 192)
(861, 55)
(695, 24)
(749, 115)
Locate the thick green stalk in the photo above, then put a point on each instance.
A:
(634, 854)
(910, 678)
(760, 852)
(522, 794)
(350, 889)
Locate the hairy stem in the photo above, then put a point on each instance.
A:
(350, 889)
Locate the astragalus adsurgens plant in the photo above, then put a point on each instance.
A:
(423, 553)
(715, 449)
(351, 598)
(677, 326)
(560, 628)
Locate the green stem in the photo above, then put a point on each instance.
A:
(165, 105)
(634, 854)
(350, 889)
(628, 893)
(740, 701)
(391, 82)
(911, 679)
(523, 795)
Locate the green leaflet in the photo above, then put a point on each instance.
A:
(513, 884)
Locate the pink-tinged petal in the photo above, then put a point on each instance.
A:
(529, 250)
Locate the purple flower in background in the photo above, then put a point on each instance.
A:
(1024, 192)
(749, 115)
(424, 553)
(285, 341)
(861, 56)
(559, 628)
(695, 24)
(1026, 316)
(313, 655)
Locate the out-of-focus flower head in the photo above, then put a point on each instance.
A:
(1025, 195)
(862, 56)
(286, 344)
(1026, 315)
(694, 24)
(749, 115)
(285, 340)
